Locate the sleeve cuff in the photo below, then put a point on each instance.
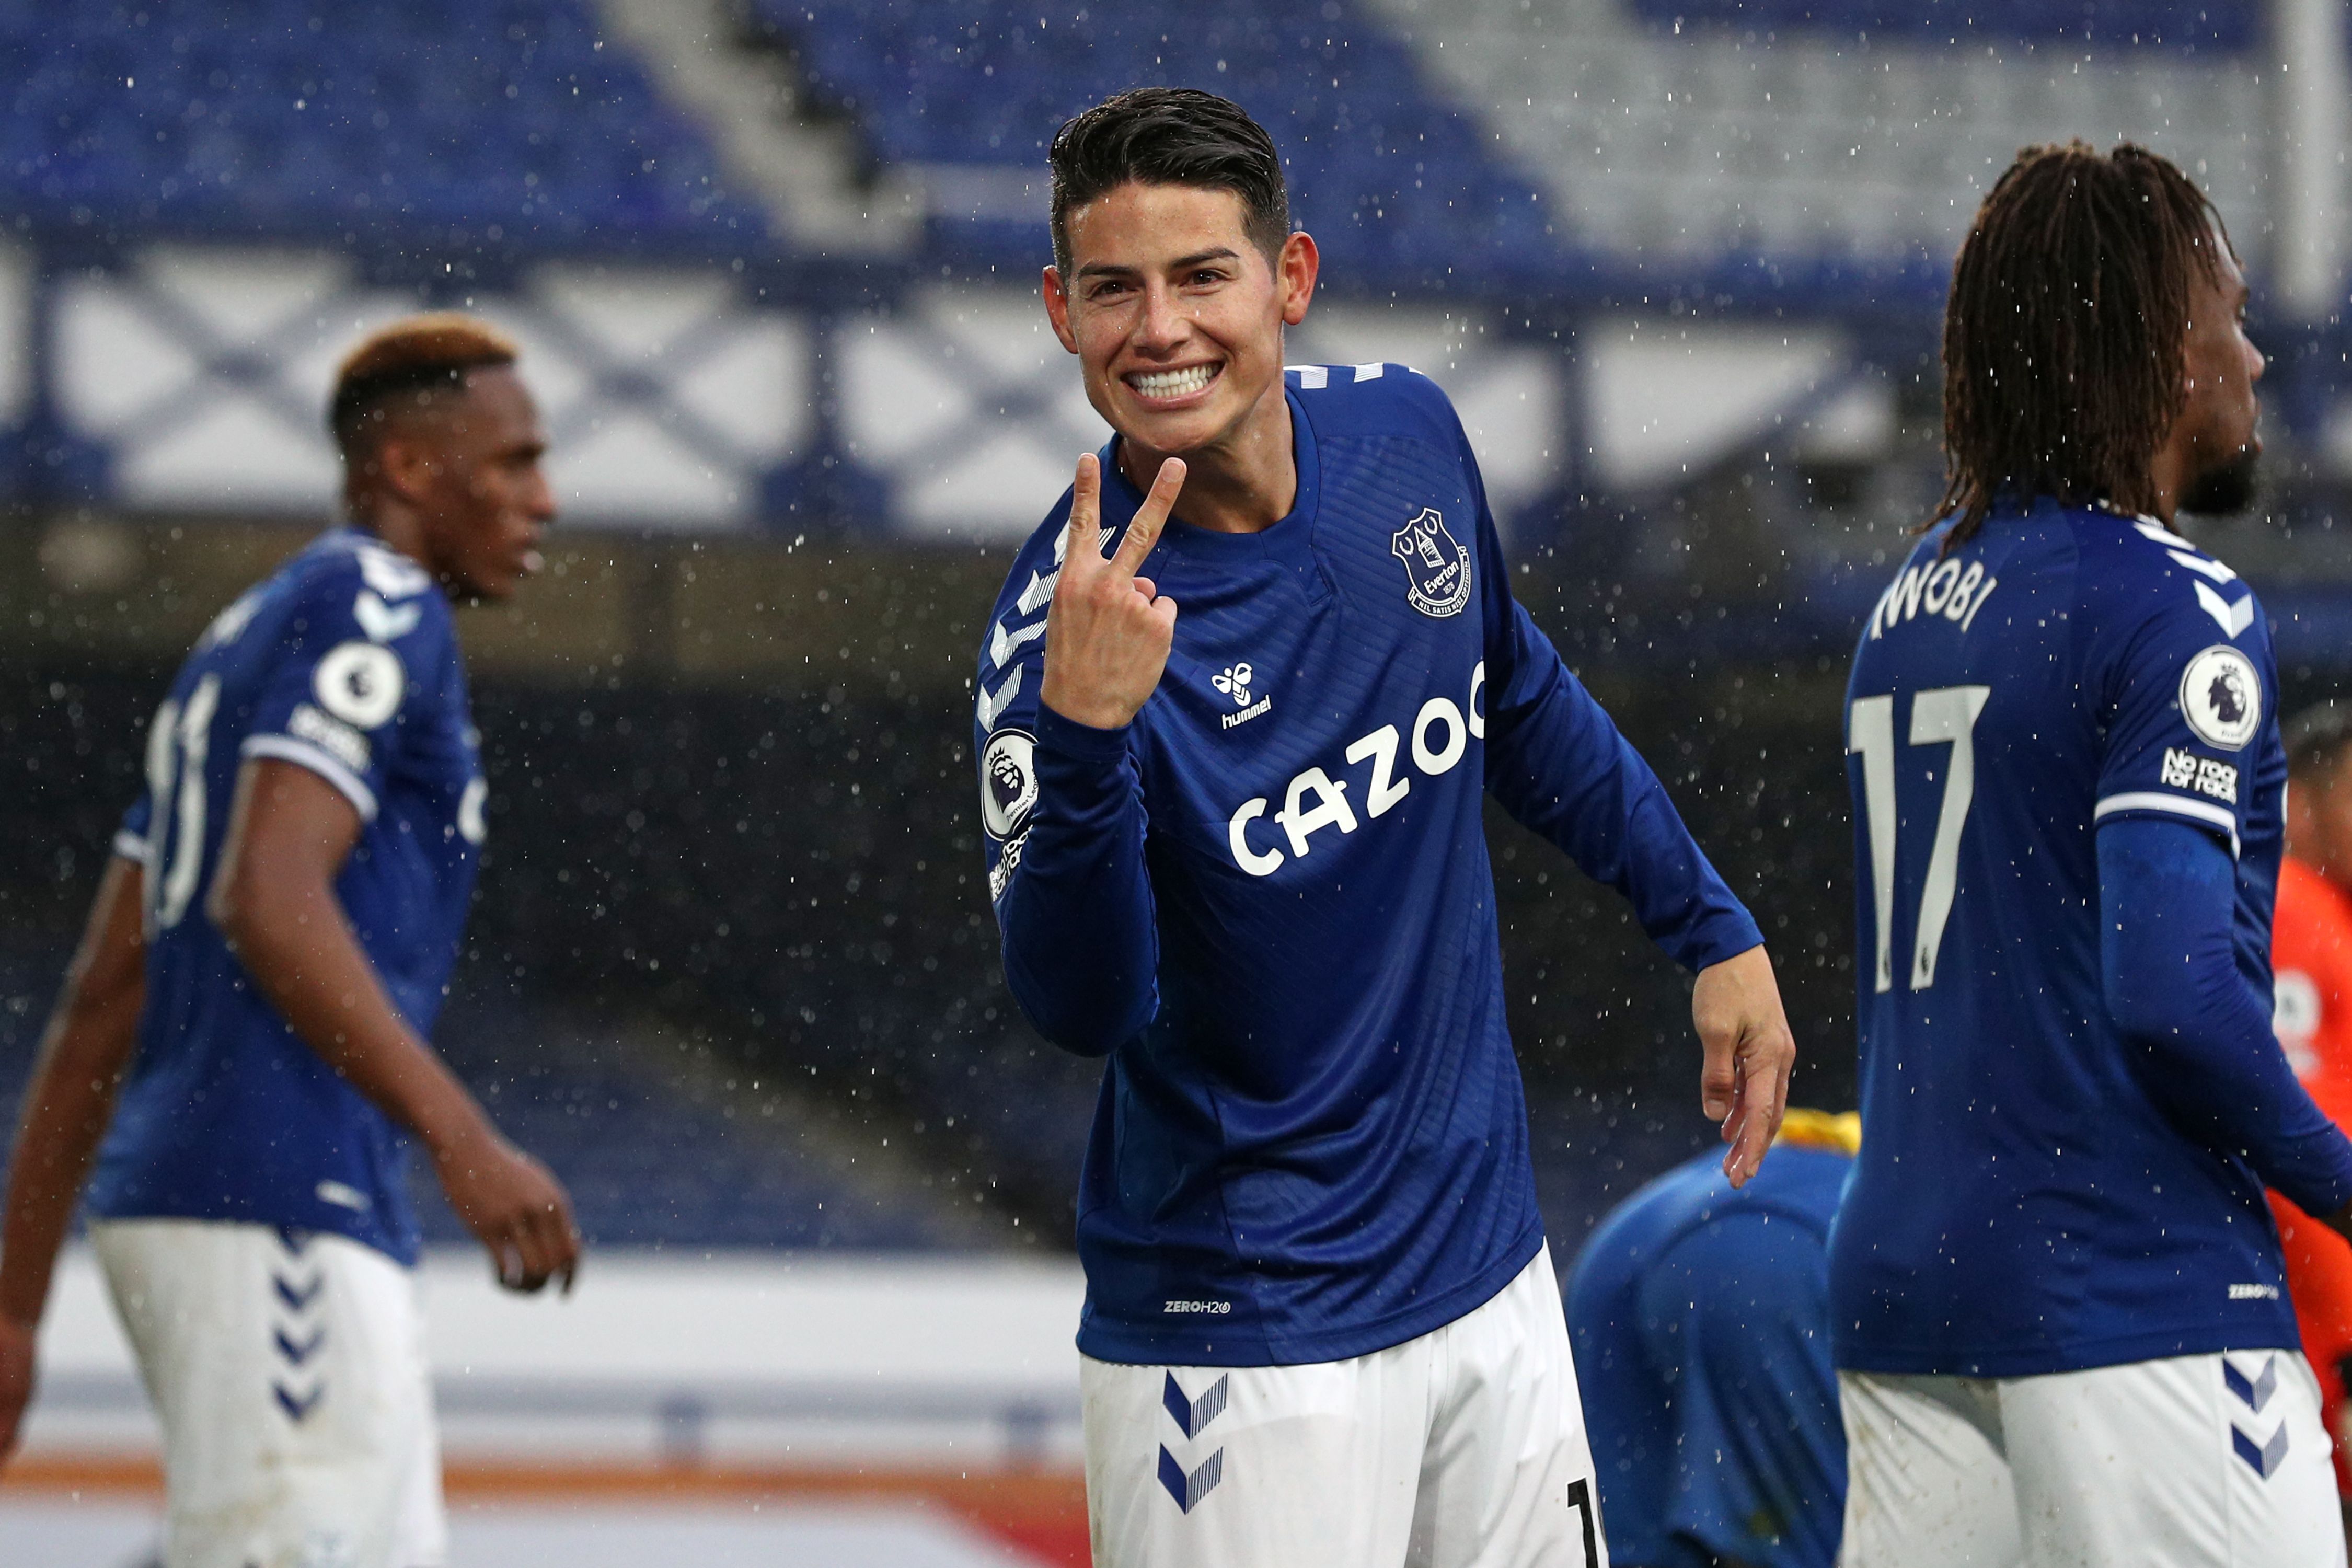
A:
(1725, 933)
(1068, 737)
(288, 749)
(2325, 1192)
(131, 846)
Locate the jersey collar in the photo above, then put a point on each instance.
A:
(1288, 540)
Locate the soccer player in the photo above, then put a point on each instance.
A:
(1237, 851)
(1700, 1316)
(245, 1023)
(2311, 954)
(2062, 1330)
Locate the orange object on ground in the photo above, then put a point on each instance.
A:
(2310, 956)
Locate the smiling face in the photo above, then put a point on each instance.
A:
(2213, 441)
(1176, 315)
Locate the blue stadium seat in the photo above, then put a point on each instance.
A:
(1396, 185)
(2222, 25)
(508, 120)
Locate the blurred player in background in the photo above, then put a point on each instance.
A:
(245, 1024)
(1700, 1317)
(2311, 955)
(2062, 1332)
(1238, 852)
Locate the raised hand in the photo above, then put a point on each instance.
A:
(1109, 632)
(1744, 1083)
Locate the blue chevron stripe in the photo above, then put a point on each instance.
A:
(298, 1297)
(296, 1354)
(2256, 1393)
(1188, 1489)
(1192, 1415)
(298, 1408)
(2263, 1458)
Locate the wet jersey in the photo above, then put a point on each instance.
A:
(2311, 955)
(1267, 900)
(2037, 1193)
(1700, 1318)
(344, 662)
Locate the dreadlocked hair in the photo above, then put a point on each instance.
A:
(2063, 334)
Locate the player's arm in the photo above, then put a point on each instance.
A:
(274, 899)
(1081, 940)
(1557, 763)
(2167, 906)
(68, 1101)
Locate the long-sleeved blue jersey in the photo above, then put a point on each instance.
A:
(1267, 898)
(2069, 1130)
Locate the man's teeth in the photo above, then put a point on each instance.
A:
(1173, 382)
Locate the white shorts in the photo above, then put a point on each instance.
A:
(1463, 1446)
(290, 1375)
(2216, 1461)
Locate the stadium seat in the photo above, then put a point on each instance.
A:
(1396, 184)
(509, 122)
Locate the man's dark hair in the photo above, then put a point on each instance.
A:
(2064, 334)
(412, 359)
(1169, 136)
(2317, 741)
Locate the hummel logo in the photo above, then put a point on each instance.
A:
(1234, 682)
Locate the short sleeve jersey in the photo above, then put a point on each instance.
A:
(1699, 1315)
(2023, 1203)
(344, 662)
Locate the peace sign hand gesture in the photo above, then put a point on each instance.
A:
(1109, 632)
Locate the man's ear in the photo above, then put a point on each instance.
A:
(406, 465)
(1057, 306)
(1294, 271)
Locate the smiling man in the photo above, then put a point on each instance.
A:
(245, 1024)
(1236, 849)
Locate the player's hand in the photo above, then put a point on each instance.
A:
(1749, 1052)
(517, 1209)
(16, 1382)
(1109, 632)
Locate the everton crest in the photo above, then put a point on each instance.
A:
(1436, 566)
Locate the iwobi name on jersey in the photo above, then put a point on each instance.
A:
(344, 662)
(2033, 1198)
(1267, 900)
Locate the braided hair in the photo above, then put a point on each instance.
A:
(2063, 334)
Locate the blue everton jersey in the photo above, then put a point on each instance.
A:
(344, 662)
(1267, 900)
(1700, 1319)
(2024, 1204)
